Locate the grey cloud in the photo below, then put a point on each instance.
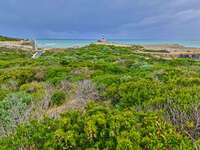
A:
(135, 19)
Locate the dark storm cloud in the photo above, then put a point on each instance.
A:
(128, 19)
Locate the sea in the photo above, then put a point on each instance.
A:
(71, 43)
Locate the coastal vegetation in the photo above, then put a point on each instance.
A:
(98, 97)
(3, 38)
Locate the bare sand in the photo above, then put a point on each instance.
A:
(114, 44)
(168, 51)
(24, 45)
(171, 48)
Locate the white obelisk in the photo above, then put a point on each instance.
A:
(33, 42)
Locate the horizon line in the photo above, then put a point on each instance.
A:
(115, 39)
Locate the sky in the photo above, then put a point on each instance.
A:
(88, 19)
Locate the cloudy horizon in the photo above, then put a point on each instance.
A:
(86, 19)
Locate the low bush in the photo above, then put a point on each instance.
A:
(32, 87)
(118, 76)
(58, 98)
(2, 94)
(99, 128)
(12, 111)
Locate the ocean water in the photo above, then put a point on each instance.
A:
(72, 43)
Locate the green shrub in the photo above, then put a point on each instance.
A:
(64, 62)
(99, 128)
(122, 76)
(2, 94)
(21, 76)
(32, 87)
(109, 68)
(134, 93)
(58, 98)
(19, 96)
(57, 74)
(12, 111)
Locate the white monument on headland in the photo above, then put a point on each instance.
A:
(37, 53)
(33, 42)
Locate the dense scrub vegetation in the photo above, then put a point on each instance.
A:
(3, 38)
(98, 97)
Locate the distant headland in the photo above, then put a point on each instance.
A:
(4, 38)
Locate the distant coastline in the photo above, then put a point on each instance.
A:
(172, 46)
(62, 43)
(4, 38)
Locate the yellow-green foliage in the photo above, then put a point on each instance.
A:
(32, 87)
(37, 89)
(134, 86)
(99, 128)
(2, 94)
